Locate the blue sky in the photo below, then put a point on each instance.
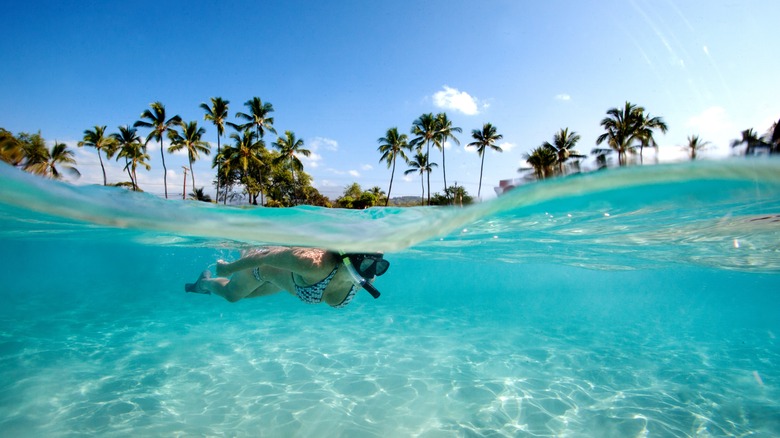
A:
(340, 73)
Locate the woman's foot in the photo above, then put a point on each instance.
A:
(197, 287)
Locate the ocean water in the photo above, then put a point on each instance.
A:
(631, 302)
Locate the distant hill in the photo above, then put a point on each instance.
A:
(405, 200)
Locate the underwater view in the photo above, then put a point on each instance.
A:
(630, 302)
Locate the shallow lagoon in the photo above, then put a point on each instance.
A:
(577, 308)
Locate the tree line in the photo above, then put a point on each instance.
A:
(278, 173)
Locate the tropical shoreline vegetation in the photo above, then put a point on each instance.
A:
(247, 168)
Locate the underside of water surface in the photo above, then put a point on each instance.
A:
(624, 304)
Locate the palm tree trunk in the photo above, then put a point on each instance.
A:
(428, 158)
(295, 195)
(429, 184)
(218, 167)
(105, 181)
(192, 174)
(165, 169)
(422, 187)
(127, 168)
(481, 166)
(135, 180)
(444, 170)
(392, 174)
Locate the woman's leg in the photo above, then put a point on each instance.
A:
(243, 284)
(239, 286)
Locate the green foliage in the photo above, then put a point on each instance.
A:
(199, 195)
(29, 151)
(454, 195)
(356, 198)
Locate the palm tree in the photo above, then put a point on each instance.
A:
(620, 126)
(542, 159)
(420, 165)
(627, 125)
(245, 151)
(97, 139)
(425, 128)
(289, 147)
(392, 146)
(563, 146)
(48, 161)
(216, 114)
(257, 117)
(751, 139)
(695, 144)
(377, 191)
(644, 131)
(190, 138)
(445, 131)
(132, 150)
(11, 150)
(159, 124)
(774, 136)
(33, 152)
(485, 139)
(200, 195)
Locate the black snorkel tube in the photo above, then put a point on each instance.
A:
(357, 279)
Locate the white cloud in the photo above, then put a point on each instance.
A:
(318, 143)
(563, 96)
(506, 146)
(366, 167)
(715, 126)
(315, 145)
(354, 173)
(313, 160)
(454, 99)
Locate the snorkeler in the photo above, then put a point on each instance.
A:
(313, 275)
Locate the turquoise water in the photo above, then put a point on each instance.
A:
(636, 302)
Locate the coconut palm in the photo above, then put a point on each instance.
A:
(190, 138)
(774, 136)
(392, 146)
(620, 126)
(543, 160)
(289, 147)
(46, 162)
(98, 139)
(158, 122)
(644, 130)
(695, 145)
(257, 117)
(563, 147)
(11, 150)
(34, 153)
(246, 151)
(377, 192)
(200, 195)
(751, 139)
(132, 150)
(421, 165)
(445, 131)
(216, 114)
(425, 129)
(485, 139)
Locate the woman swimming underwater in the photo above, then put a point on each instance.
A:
(313, 275)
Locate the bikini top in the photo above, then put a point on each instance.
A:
(312, 294)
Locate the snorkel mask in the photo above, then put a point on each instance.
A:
(364, 267)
